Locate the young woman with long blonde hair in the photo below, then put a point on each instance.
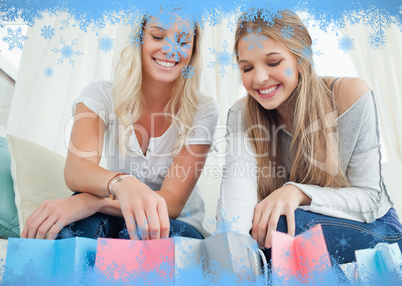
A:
(302, 149)
(156, 129)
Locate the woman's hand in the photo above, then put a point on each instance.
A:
(144, 211)
(283, 201)
(53, 215)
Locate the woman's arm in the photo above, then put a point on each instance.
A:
(182, 176)
(365, 200)
(238, 194)
(138, 204)
(83, 174)
(52, 215)
(178, 184)
(152, 210)
(82, 171)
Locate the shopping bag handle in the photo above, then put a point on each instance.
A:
(253, 255)
(264, 266)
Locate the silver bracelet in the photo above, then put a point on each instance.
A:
(115, 180)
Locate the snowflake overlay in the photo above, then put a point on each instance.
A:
(67, 52)
(288, 72)
(48, 72)
(15, 38)
(379, 19)
(176, 47)
(268, 14)
(136, 40)
(287, 32)
(345, 43)
(231, 25)
(343, 242)
(141, 231)
(67, 232)
(308, 236)
(254, 38)
(104, 243)
(185, 26)
(163, 20)
(214, 16)
(178, 233)
(223, 58)
(377, 40)
(47, 32)
(378, 234)
(187, 71)
(105, 44)
(307, 53)
(225, 224)
(288, 254)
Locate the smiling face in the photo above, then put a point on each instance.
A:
(165, 52)
(269, 74)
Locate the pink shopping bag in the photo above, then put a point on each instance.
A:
(136, 261)
(299, 257)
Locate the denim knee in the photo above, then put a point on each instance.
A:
(177, 228)
(343, 236)
(95, 226)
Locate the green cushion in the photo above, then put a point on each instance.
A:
(8, 211)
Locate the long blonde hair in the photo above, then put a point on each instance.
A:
(128, 99)
(314, 112)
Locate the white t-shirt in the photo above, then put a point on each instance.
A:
(152, 168)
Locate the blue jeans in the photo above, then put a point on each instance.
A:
(343, 236)
(108, 226)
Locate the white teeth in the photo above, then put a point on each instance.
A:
(269, 90)
(165, 64)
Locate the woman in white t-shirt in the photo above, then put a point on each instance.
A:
(155, 130)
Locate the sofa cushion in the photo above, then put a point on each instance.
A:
(8, 211)
(393, 181)
(38, 176)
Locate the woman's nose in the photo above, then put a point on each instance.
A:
(261, 76)
(166, 47)
(170, 49)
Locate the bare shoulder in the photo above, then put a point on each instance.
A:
(348, 90)
(81, 108)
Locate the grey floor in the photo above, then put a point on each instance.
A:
(6, 93)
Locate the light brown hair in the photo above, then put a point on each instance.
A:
(314, 111)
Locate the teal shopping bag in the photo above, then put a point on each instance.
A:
(379, 262)
(48, 262)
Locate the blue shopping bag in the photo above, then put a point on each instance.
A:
(378, 262)
(48, 262)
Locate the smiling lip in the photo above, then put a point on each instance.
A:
(165, 65)
(268, 91)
